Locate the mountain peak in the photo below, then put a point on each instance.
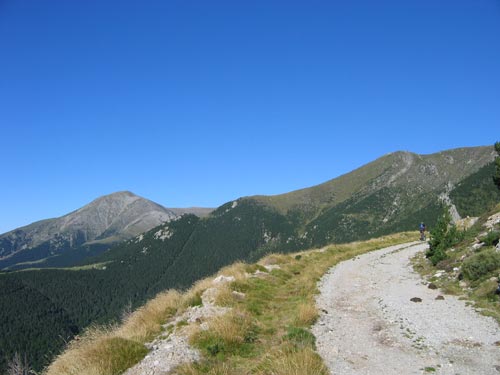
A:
(105, 220)
(121, 193)
(118, 195)
(115, 201)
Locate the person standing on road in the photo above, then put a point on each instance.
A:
(422, 231)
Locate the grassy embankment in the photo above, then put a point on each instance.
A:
(266, 331)
(468, 272)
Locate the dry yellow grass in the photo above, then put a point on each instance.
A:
(106, 350)
(275, 259)
(218, 369)
(193, 295)
(293, 362)
(307, 313)
(224, 296)
(99, 351)
(145, 323)
(237, 270)
(230, 328)
(73, 361)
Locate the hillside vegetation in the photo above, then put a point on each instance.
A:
(470, 264)
(266, 330)
(476, 194)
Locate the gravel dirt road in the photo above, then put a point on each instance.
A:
(369, 325)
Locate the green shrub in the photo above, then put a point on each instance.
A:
(300, 337)
(443, 236)
(481, 264)
(437, 255)
(491, 239)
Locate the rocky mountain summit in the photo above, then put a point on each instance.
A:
(106, 220)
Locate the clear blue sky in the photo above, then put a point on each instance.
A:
(200, 102)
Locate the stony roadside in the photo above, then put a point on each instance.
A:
(173, 349)
(377, 316)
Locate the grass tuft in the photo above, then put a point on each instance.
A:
(300, 337)
(228, 334)
(237, 270)
(272, 259)
(293, 362)
(146, 322)
(210, 369)
(98, 352)
(225, 296)
(307, 314)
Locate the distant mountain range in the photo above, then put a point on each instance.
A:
(85, 232)
(393, 193)
(386, 195)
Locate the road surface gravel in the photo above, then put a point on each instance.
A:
(369, 324)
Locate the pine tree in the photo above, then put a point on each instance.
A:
(443, 236)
